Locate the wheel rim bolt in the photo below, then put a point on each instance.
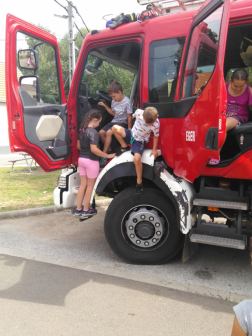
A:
(158, 233)
(146, 244)
(131, 227)
(154, 240)
(138, 242)
(132, 235)
(157, 224)
(142, 217)
(134, 220)
(151, 218)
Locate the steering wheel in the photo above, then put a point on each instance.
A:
(104, 95)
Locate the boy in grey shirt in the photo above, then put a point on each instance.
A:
(121, 109)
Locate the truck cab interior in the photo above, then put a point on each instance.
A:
(238, 55)
(118, 62)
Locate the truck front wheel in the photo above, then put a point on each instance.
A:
(142, 228)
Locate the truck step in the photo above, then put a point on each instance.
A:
(239, 244)
(221, 204)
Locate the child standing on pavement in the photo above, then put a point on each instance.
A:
(146, 122)
(121, 109)
(88, 163)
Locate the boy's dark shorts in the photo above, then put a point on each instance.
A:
(136, 146)
(110, 125)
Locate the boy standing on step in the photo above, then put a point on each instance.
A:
(146, 122)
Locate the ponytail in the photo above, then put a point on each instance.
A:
(92, 114)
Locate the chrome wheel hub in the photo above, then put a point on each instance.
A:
(145, 227)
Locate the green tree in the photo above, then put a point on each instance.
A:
(48, 75)
(47, 72)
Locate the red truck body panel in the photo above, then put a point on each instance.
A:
(187, 158)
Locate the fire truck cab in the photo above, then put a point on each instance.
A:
(177, 63)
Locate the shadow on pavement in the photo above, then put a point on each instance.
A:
(43, 283)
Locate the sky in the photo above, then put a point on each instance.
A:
(42, 12)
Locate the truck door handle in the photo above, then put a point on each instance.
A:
(211, 141)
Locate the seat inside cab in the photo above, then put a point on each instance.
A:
(238, 55)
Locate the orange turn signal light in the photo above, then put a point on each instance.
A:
(213, 209)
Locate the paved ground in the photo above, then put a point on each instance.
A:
(39, 299)
(61, 239)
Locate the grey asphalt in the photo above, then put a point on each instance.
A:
(39, 298)
(60, 239)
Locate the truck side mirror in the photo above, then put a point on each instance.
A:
(31, 85)
(28, 59)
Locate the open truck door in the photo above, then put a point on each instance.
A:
(201, 100)
(36, 105)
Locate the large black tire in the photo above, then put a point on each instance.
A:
(128, 208)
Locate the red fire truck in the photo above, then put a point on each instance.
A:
(177, 63)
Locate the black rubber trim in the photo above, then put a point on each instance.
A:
(128, 169)
(176, 109)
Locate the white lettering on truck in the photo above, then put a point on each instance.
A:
(190, 136)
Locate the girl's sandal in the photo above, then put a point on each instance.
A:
(213, 162)
(139, 188)
(122, 150)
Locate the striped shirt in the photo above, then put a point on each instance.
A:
(121, 109)
(141, 131)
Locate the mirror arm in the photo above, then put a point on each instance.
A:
(37, 45)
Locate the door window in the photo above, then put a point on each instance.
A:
(165, 56)
(202, 54)
(118, 63)
(45, 88)
(105, 64)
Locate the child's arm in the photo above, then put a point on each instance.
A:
(78, 145)
(107, 108)
(154, 150)
(94, 149)
(129, 121)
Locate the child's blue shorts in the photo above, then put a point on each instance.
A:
(136, 146)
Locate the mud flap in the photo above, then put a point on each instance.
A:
(189, 249)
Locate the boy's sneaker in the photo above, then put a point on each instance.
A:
(78, 212)
(88, 213)
(103, 161)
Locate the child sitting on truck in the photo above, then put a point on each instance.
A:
(121, 109)
(239, 99)
(146, 122)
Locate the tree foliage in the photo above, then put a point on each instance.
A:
(48, 75)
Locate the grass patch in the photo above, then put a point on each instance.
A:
(27, 190)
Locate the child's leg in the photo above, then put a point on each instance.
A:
(119, 133)
(102, 135)
(139, 167)
(89, 190)
(108, 140)
(81, 191)
(92, 173)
